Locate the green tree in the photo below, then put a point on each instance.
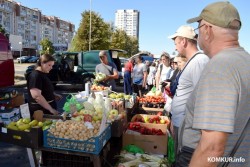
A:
(100, 33)
(133, 46)
(120, 40)
(3, 31)
(47, 46)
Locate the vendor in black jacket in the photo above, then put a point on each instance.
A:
(41, 94)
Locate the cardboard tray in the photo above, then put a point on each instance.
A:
(32, 139)
(140, 116)
(149, 143)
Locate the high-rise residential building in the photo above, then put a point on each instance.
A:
(32, 26)
(128, 20)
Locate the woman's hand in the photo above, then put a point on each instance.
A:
(53, 111)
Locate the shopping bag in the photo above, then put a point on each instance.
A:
(71, 101)
(153, 89)
(171, 153)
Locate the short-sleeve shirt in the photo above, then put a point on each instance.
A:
(164, 72)
(221, 102)
(39, 80)
(128, 66)
(187, 81)
(138, 73)
(108, 70)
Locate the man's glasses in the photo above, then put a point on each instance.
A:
(196, 30)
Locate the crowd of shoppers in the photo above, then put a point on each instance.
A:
(209, 88)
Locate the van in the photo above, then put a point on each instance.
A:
(7, 69)
(79, 67)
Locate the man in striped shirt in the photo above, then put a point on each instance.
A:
(217, 112)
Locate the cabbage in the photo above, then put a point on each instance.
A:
(99, 76)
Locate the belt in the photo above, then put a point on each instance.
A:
(47, 101)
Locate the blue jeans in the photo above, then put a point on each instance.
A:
(127, 83)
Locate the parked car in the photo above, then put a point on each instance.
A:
(24, 59)
(123, 61)
(145, 57)
(33, 59)
(78, 67)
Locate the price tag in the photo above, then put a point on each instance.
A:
(25, 112)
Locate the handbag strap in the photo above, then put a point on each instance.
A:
(179, 74)
(237, 144)
(183, 124)
(107, 68)
(189, 62)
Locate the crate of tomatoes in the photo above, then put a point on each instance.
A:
(151, 101)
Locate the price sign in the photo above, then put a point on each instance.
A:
(25, 112)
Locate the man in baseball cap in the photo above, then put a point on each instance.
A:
(184, 31)
(221, 14)
(217, 112)
(185, 40)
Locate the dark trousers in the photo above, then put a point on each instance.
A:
(184, 157)
(176, 140)
(137, 89)
(35, 107)
(127, 83)
(150, 87)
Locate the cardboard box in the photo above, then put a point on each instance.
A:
(6, 121)
(118, 105)
(118, 127)
(152, 111)
(9, 113)
(142, 116)
(16, 101)
(149, 143)
(32, 139)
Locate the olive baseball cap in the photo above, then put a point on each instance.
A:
(221, 14)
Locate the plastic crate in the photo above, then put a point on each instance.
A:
(54, 159)
(93, 145)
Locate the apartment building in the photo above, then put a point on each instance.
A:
(33, 26)
(128, 20)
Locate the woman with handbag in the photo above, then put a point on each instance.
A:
(139, 76)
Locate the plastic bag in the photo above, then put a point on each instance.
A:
(171, 153)
(133, 149)
(153, 89)
(71, 100)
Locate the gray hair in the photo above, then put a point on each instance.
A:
(102, 53)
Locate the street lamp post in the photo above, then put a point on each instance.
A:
(90, 26)
(20, 43)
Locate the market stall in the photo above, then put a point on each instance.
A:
(81, 136)
(84, 130)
